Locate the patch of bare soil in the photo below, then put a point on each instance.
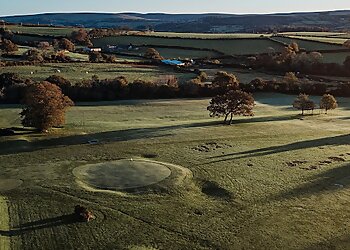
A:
(335, 158)
(295, 163)
(211, 146)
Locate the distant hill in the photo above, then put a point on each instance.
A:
(312, 21)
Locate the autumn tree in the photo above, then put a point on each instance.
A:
(258, 84)
(347, 63)
(43, 45)
(153, 54)
(234, 102)
(8, 46)
(45, 106)
(64, 84)
(66, 44)
(347, 44)
(289, 52)
(34, 55)
(303, 102)
(290, 81)
(224, 82)
(81, 36)
(328, 102)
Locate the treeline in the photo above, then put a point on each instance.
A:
(297, 86)
(293, 59)
(13, 87)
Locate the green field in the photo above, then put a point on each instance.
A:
(175, 53)
(76, 72)
(206, 35)
(28, 38)
(336, 57)
(309, 45)
(229, 46)
(331, 40)
(51, 31)
(313, 34)
(272, 181)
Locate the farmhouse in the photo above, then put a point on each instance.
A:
(92, 49)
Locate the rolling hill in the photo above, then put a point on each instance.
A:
(215, 23)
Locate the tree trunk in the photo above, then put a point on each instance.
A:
(302, 112)
(231, 119)
(226, 118)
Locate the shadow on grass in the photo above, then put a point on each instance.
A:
(336, 140)
(328, 181)
(41, 224)
(17, 146)
(342, 242)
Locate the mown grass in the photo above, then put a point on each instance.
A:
(4, 224)
(229, 46)
(285, 191)
(76, 72)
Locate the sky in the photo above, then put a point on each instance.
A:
(12, 7)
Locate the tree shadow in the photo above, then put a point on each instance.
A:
(18, 146)
(40, 224)
(342, 242)
(13, 131)
(328, 181)
(336, 140)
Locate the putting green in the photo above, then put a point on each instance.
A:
(122, 174)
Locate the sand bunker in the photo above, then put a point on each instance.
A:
(122, 174)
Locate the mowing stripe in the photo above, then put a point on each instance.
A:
(4, 224)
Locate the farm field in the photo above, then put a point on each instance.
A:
(20, 38)
(308, 45)
(255, 184)
(336, 57)
(313, 34)
(230, 46)
(50, 31)
(244, 76)
(206, 35)
(76, 72)
(331, 40)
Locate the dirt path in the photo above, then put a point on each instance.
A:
(4, 224)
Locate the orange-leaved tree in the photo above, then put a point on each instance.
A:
(45, 106)
(328, 102)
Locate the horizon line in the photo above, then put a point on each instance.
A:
(174, 13)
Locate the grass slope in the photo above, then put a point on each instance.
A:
(51, 31)
(229, 46)
(4, 224)
(76, 72)
(272, 181)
